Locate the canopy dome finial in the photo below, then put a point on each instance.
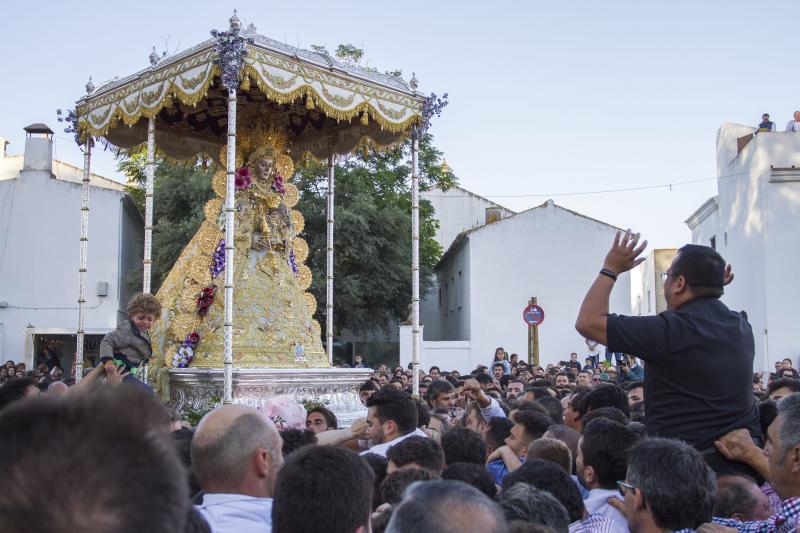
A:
(236, 24)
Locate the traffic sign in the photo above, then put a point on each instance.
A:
(533, 315)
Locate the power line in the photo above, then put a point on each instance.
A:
(669, 186)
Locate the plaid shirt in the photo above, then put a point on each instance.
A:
(785, 521)
(594, 523)
(772, 497)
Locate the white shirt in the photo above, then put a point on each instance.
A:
(381, 449)
(236, 513)
(492, 410)
(793, 125)
(596, 503)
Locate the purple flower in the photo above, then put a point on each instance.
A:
(243, 179)
(277, 184)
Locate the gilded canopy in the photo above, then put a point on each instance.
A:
(325, 106)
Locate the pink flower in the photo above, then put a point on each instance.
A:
(243, 179)
(278, 184)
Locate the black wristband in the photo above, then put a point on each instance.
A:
(610, 273)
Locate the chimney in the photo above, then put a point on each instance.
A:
(493, 214)
(38, 148)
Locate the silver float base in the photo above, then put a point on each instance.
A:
(337, 388)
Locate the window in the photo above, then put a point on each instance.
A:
(713, 242)
(459, 292)
(648, 302)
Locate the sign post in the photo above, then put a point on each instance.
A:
(533, 315)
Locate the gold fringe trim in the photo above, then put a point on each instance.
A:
(337, 114)
(172, 92)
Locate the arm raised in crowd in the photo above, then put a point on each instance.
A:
(623, 256)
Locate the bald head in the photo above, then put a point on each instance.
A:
(236, 449)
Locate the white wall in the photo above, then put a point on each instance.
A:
(39, 255)
(757, 229)
(547, 252)
(458, 210)
(448, 355)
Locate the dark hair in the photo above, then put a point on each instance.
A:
(327, 414)
(434, 367)
(182, 440)
(536, 506)
(676, 484)
(391, 404)
(396, 483)
(633, 385)
(438, 387)
(767, 413)
(423, 414)
(425, 504)
(605, 447)
(732, 496)
(294, 439)
(604, 395)
(497, 431)
(790, 383)
(462, 445)
(702, 268)
(322, 489)
(538, 392)
(425, 452)
(138, 445)
(637, 413)
(484, 379)
(369, 385)
(609, 413)
(554, 408)
(14, 389)
(552, 478)
(542, 382)
(379, 465)
(535, 424)
(472, 474)
(527, 405)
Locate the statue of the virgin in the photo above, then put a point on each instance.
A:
(272, 313)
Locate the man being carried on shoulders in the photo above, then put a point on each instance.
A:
(696, 332)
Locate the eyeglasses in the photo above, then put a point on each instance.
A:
(624, 487)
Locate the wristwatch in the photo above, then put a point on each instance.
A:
(610, 273)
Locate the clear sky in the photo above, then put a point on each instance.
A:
(545, 97)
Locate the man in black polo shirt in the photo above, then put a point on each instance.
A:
(698, 353)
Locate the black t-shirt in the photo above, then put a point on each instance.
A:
(699, 370)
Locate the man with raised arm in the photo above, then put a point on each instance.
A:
(698, 353)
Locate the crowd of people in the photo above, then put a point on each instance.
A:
(672, 432)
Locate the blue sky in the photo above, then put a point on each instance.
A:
(545, 97)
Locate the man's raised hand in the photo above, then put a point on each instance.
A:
(624, 253)
(728, 276)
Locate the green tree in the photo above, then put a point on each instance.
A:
(372, 233)
(180, 192)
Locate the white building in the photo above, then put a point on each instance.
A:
(459, 210)
(40, 203)
(647, 287)
(754, 223)
(489, 273)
